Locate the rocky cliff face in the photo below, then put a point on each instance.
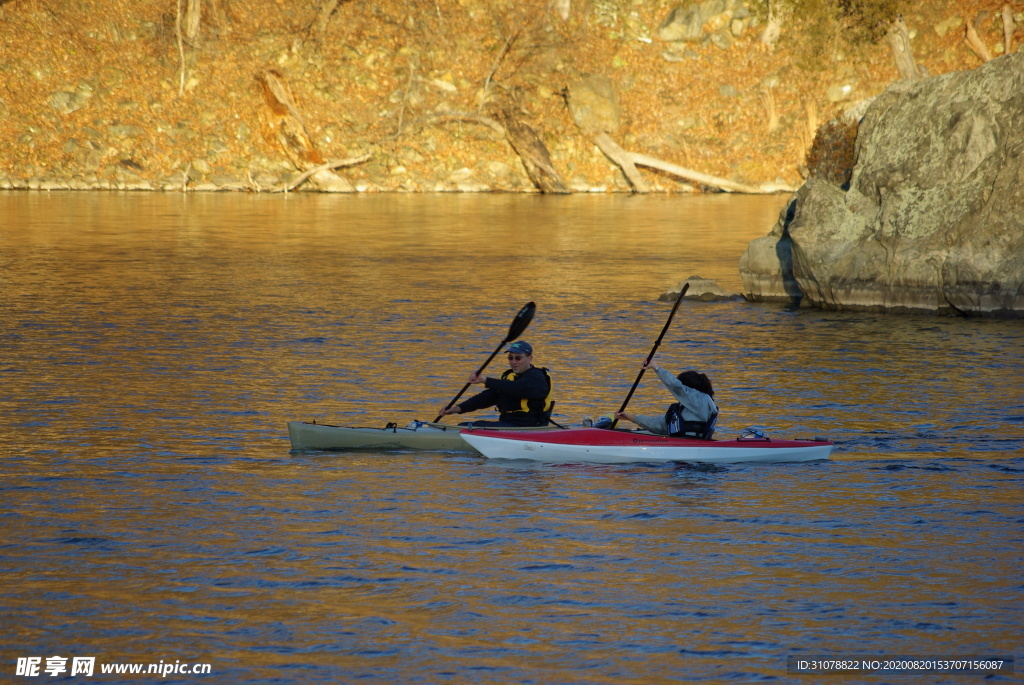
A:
(933, 219)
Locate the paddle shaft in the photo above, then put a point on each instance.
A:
(653, 350)
(478, 372)
(515, 329)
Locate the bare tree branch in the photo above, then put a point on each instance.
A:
(305, 175)
(899, 42)
(628, 161)
(1008, 28)
(974, 41)
(465, 116)
(523, 139)
(533, 153)
(193, 16)
(509, 42)
(181, 50)
(285, 123)
(625, 160)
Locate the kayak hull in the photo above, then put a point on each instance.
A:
(318, 436)
(432, 437)
(596, 445)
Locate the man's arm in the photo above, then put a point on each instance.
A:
(482, 400)
(532, 385)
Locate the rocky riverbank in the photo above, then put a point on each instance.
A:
(932, 218)
(119, 94)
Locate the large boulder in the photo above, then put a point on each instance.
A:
(767, 264)
(933, 219)
(594, 104)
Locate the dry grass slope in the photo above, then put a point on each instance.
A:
(97, 90)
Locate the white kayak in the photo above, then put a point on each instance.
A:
(417, 435)
(605, 446)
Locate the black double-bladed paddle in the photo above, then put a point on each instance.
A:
(519, 324)
(653, 350)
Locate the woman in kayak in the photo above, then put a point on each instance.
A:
(694, 414)
(522, 394)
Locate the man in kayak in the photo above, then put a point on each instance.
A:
(693, 415)
(522, 394)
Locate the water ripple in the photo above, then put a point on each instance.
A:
(155, 347)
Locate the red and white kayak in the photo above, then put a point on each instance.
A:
(604, 446)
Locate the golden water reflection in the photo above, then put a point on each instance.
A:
(368, 309)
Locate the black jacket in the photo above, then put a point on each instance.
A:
(522, 400)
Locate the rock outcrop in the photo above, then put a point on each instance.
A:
(933, 219)
(701, 289)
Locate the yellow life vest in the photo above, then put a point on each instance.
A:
(543, 406)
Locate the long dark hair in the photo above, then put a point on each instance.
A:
(697, 381)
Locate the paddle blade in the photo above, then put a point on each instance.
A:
(518, 325)
(522, 320)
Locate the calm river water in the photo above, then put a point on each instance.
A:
(153, 347)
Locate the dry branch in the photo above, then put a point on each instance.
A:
(181, 50)
(707, 180)
(1008, 28)
(975, 43)
(326, 166)
(285, 125)
(219, 18)
(631, 159)
(524, 141)
(464, 116)
(625, 160)
(285, 121)
(899, 43)
(405, 99)
(545, 177)
(509, 42)
(193, 16)
(533, 153)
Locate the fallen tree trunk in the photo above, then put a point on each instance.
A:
(625, 160)
(304, 176)
(974, 41)
(628, 161)
(285, 126)
(534, 155)
(899, 43)
(524, 141)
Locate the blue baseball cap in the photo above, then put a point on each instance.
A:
(521, 347)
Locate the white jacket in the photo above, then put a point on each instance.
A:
(697, 406)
